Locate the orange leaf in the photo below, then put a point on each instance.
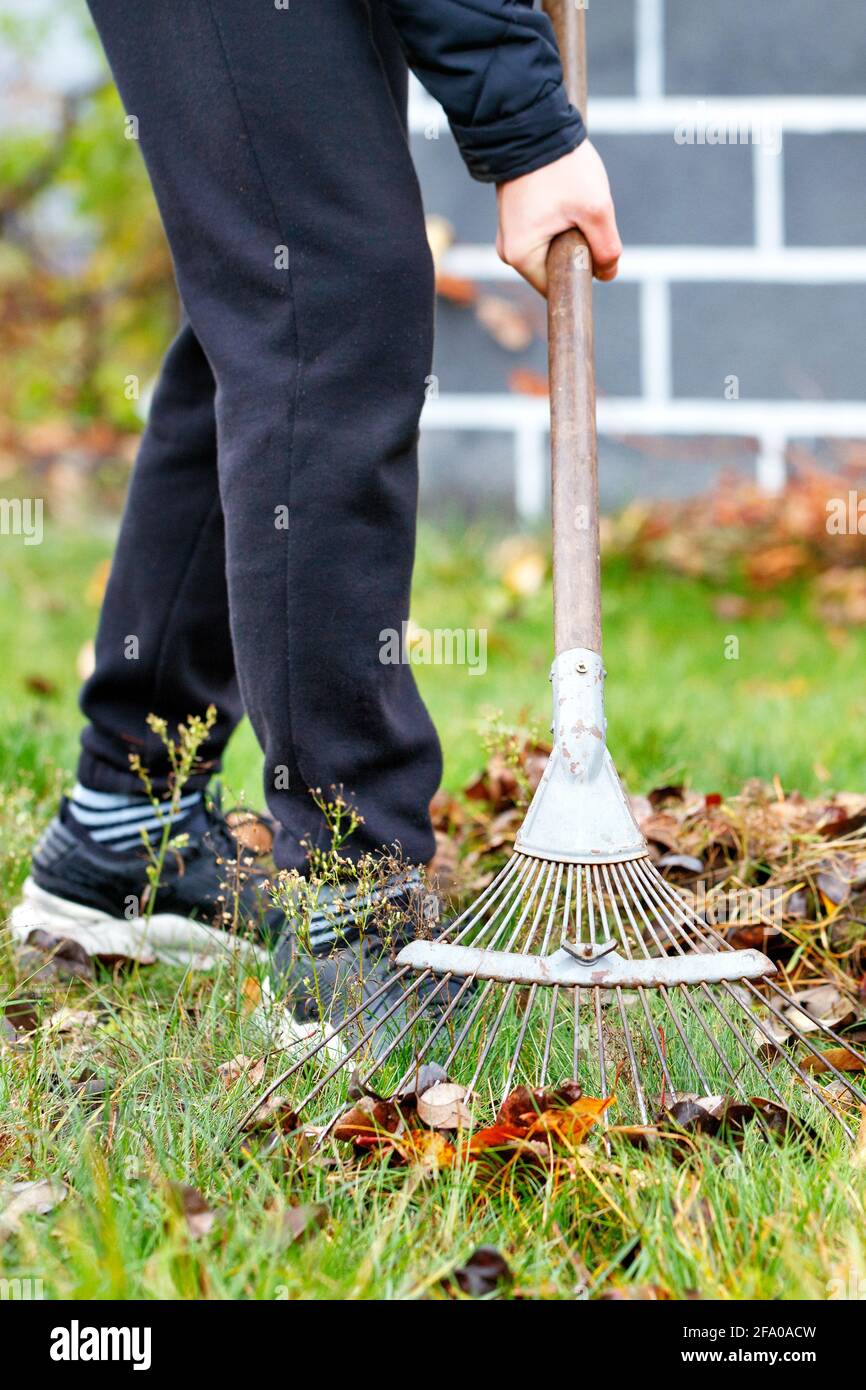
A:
(527, 382)
(574, 1122)
(457, 291)
(838, 1057)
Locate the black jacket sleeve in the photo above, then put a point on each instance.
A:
(494, 66)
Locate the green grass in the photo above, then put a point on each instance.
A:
(775, 1220)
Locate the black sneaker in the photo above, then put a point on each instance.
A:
(213, 895)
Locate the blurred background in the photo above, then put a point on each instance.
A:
(730, 366)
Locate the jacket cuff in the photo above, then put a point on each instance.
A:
(520, 144)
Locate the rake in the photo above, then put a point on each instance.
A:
(580, 960)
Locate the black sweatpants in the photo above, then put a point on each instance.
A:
(269, 533)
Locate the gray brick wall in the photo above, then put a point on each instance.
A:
(742, 260)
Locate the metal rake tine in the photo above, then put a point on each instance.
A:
(398, 1003)
(575, 1036)
(639, 1092)
(534, 989)
(516, 868)
(364, 1039)
(324, 1041)
(849, 1085)
(554, 993)
(485, 992)
(663, 908)
(628, 889)
(431, 1038)
(690, 1003)
(642, 993)
(510, 989)
(708, 933)
(807, 1081)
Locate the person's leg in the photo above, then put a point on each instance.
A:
(164, 645)
(278, 155)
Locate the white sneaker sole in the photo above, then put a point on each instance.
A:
(170, 938)
(174, 940)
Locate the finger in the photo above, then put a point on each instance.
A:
(609, 273)
(605, 246)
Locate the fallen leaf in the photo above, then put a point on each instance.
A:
(426, 1148)
(190, 1203)
(303, 1220)
(248, 1067)
(507, 325)
(838, 1057)
(484, 1273)
(525, 382)
(274, 1113)
(444, 1106)
(40, 1197)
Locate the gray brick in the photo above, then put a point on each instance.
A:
(467, 358)
(667, 467)
(680, 194)
(780, 340)
(766, 46)
(824, 200)
(610, 38)
(465, 474)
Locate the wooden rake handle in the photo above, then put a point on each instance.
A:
(573, 443)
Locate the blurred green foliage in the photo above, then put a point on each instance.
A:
(87, 299)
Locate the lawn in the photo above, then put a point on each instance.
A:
(125, 1098)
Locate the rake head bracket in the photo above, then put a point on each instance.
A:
(579, 813)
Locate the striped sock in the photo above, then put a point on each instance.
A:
(115, 821)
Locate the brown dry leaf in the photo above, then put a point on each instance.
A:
(484, 1273)
(252, 832)
(522, 566)
(443, 867)
(456, 290)
(304, 1220)
(22, 1198)
(368, 1122)
(776, 564)
(505, 322)
(573, 1123)
(838, 1057)
(445, 1106)
(190, 1203)
(252, 1069)
(274, 1113)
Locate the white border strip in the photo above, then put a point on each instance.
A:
(649, 71)
(661, 115)
(633, 415)
(807, 265)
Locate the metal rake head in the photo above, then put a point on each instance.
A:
(579, 961)
(638, 995)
